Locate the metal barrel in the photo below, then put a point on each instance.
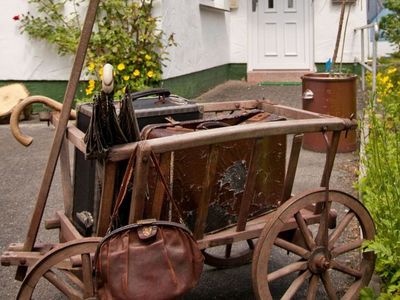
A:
(330, 94)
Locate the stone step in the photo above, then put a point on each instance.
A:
(255, 77)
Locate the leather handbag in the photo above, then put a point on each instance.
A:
(146, 260)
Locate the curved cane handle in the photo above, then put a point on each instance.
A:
(17, 110)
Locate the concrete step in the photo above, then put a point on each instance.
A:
(255, 77)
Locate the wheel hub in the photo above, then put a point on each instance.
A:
(319, 260)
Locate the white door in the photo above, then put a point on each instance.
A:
(281, 35)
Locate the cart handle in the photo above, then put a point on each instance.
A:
(17, 110)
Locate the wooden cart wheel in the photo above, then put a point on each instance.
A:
(67, 268)
(321, 257)
(229, 256)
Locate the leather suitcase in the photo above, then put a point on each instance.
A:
(232, 167)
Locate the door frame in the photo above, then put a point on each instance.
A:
(252, 23)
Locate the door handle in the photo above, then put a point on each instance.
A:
(254, 5)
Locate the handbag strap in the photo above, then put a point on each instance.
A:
(125, 183)
(124, 187)
(167, 189)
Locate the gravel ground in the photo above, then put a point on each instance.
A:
(21, 171)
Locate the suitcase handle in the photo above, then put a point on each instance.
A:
(151, 92)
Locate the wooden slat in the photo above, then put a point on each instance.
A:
(229, 106)
(291, 112)
(206, 191)
(20, 258)
(107, 197)
(68, 231)
(66, 181)
(292, 167)
(159, 193)
(250, 185)
(253, 230)
(69, 96)
(140, 182)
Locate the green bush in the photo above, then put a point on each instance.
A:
(380, 186)
(390, 24)
(126, 35)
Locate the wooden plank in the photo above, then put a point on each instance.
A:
(291, 112)
(292, 167)
(206, 191)
(68, 231)
(20, 258)
(250, 185)
(159, 193)
(73, 134)
(60, 131)
(229, 106)
(107, 197)
(232, 133)
(66, 181)
(253, 230)
(140, 182)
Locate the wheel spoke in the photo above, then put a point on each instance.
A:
(313, 288)
(346, 247)
(297, 266)
(322, 235)
(340, 228)
(304, 253)
(251, 244)
(296, 284)
(73, 278)
(345, 269)
(305, 231)
(228, 250)
(329, 288)
(87, 273)
(62, 286)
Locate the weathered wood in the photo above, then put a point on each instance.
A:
(66, 181)
(250, 184)
(20, 258)
(60, 130)
(253, 230)
(291, 112)
(107, 196)
(206, 191)
(292, 167)
(68, 231)
(228, 106)
(140, 182)
(53, 223)
(159, 193)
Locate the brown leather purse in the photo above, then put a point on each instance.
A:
(146, 260)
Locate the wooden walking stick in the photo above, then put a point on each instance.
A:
(59, 134)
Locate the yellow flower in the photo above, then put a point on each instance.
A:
(126, 77)
(101, 71)
(392, 70)
(91, 67)
(92, 83)
(147, 57)
(121, 67)
(150, 74)
(385, 79)
(379, 100)
(89, 91)
(136, 73)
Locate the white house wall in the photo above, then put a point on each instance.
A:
(239, 32)
(22, 58)
(202, 35)
(326, 20)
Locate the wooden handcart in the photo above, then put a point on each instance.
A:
(317, 229)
